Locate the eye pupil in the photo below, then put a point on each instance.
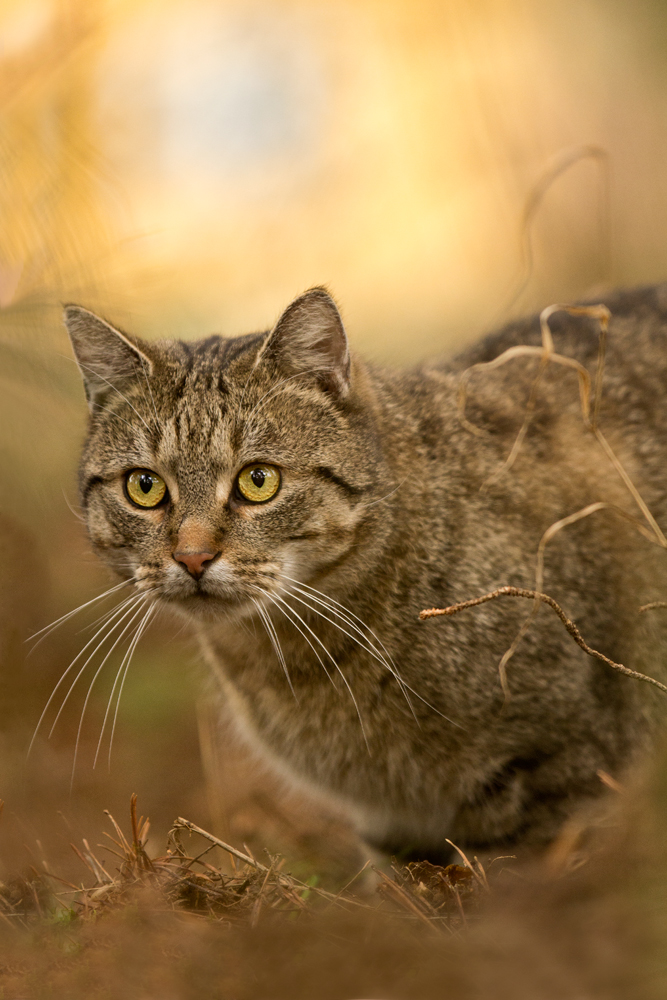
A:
(145, 488)
(258, 482)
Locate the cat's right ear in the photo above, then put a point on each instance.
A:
(309, 339)
(106, 357)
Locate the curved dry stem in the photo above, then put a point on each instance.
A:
(550, 533)
(555, 167)
(518, 441)
(632, 489)
(567, 622)
(546, 353)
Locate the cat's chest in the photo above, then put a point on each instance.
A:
(321, 715)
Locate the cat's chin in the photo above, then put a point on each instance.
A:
(203, 607)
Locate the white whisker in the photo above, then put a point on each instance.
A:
(141, 629)
(347, 615)
(106, 714)
(92, 683)
(112, 386)
(78, 516)
(366, 644)
(106, 615)
(116, 611)
(114, 416)
(385, 497)
(275, 642)
(275, 598)
(104, 638)
(273, 389)
(150, 392)
(49, 628)
(253, 369)
(301, 632)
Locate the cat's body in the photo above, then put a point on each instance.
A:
(380, 514)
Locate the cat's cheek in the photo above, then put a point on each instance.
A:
(103, 533)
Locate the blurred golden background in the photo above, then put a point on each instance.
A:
(189, 167)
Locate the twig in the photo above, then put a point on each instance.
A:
(402, 897)
(546, 599)
(550, 533)
(354, 878)
(284, 880)
(185, 824)
(557, 165)
(610, 782)
(257, 905)
(546, 353)
(483, 882)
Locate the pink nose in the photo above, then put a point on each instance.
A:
(195, 562)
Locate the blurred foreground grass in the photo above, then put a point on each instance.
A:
(591, 924)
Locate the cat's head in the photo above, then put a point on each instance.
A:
(217, 469)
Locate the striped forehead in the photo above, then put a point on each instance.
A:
(198, 409)
(196, 428)
(200, 405)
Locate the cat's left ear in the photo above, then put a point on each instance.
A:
(309, 338)
(107, 358)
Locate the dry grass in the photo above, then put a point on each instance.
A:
(186, 880)
(177, 926)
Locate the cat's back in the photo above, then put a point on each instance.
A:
(637, 329)
(490, 384)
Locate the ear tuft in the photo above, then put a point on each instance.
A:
(107, 358)
(309, 337)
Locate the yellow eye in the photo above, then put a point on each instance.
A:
(258, 482)
(145, 488)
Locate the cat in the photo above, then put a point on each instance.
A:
(301, 507)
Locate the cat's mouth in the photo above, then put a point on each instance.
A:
(206, 599)
(219, 591)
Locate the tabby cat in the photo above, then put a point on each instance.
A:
(301, 507)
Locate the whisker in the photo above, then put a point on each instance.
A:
(49, 628)
(301, 632)
(390, 664)
(91, 685)
(113, 628)
(253, 369)
(346, 613)
(72, 511)
(275, 642)
(130, 653)
(150, 393)
(106, 714)
(347, 616)
(64, 675)
(386, 496)
(113, 415)
(106, 615)
(365, 645)
(276, 597)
